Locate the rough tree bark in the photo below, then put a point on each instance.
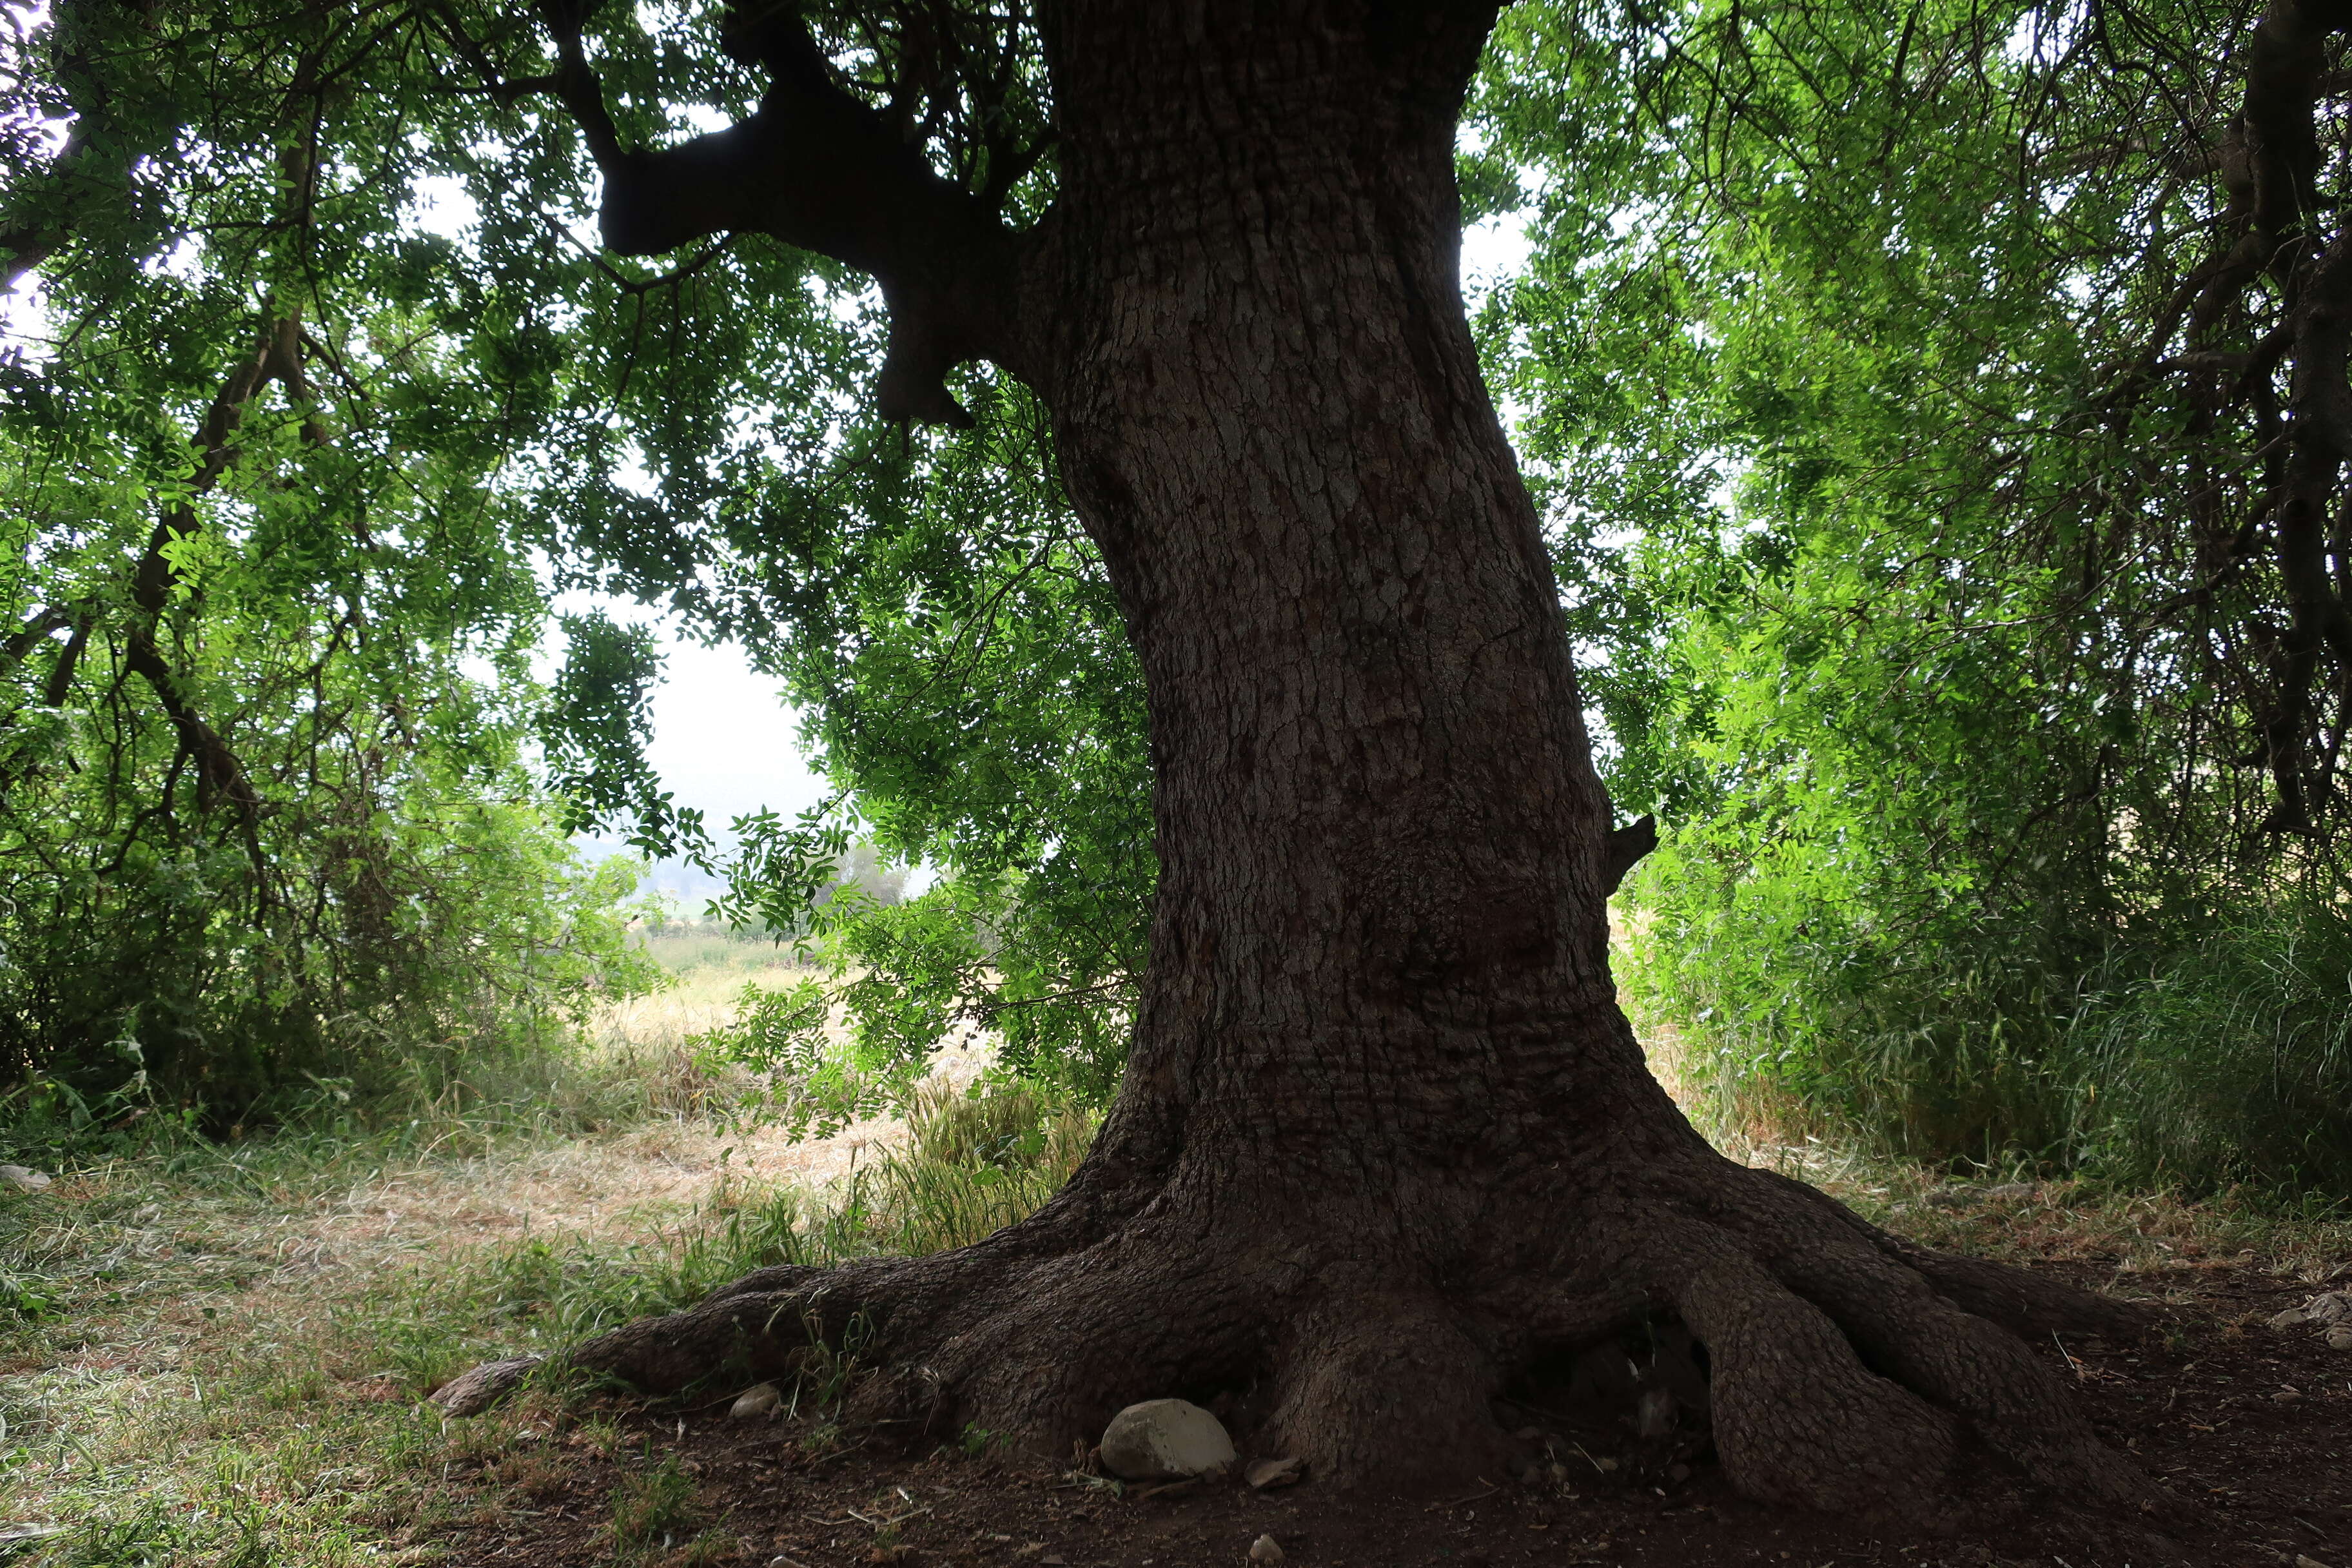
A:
(1385, 1140)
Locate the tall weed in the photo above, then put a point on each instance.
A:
(2198, 1056)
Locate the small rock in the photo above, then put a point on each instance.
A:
(1280, 1472)
(2326, 1309)
(1165, 1440)
(762, 1400)
(1265, 1549)
(2302, 1561)
(1559, 1473)
(23, 1178)
(2287, 1394)
(2340, 1338)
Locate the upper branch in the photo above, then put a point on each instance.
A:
(816, 168)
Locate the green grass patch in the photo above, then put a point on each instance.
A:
(217, 1354)
(2212, 1061)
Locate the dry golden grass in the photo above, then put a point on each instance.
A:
(227, 1346)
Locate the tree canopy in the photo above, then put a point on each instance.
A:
(1078, 410)
(1945, 485)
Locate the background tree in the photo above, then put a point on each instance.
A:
(1934, 531)
(265, 812)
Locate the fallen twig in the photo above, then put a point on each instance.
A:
(1164, 1487)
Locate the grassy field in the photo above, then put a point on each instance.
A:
(217, 1355)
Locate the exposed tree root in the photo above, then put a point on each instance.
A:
(1850, 1370)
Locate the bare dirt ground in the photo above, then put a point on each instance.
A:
(231, 1368)
(2248, 1429)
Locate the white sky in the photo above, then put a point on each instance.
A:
(723, 741)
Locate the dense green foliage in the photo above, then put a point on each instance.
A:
(1918, 533)
(970, 692)
(1903, 610)
(264, 721)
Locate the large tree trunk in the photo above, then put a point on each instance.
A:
(1385, 1140)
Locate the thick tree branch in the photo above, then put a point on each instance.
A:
(59, 685)
(2274, 275)
(32, 239)
(221, 776)
(818, 169)
(1624, 848)
(2320, 443)
(25, 639)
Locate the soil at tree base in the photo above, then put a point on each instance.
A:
(2261, 1482)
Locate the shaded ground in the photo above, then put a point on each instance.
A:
(217, 1355)
(2248, 1428)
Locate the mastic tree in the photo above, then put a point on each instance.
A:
(266, 813)
(1385, 1141)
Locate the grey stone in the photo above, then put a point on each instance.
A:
(2326, 1310)
(1280, 1472)
(23, 1179)
(1165, 1440)
(762, 1399)
(1265, 1549)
